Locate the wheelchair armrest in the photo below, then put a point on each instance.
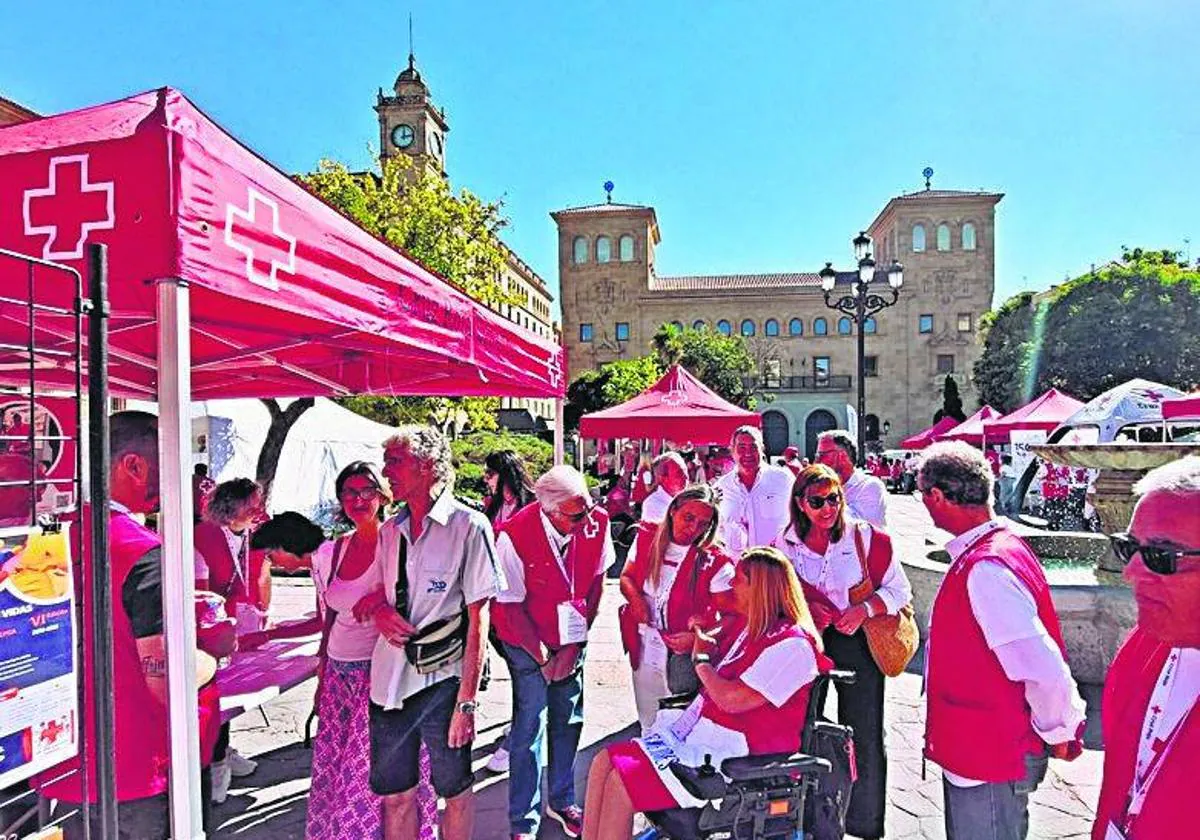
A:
(676, 701)
(751, 767)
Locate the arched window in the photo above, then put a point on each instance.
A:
(795, 327)
(771, 327)
(579, 250)
(918, 237)
(699, 325)
(747, 327)
(625, 247)
(869, 326)
(844, 326)
(724, 327)
(943, 237)
(968, 236)
(820, 327)
(677, 325)
(603, 249)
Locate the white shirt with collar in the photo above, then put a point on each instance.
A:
(754, 516)
(451, 564)
(512, 567)
(839, 570)
(866, 498)
(654, 507)
(1008, 617)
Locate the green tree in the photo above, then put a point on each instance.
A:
(719, 361)
(951, 402)
(611, 384)
(470, 450)
(453, 235)
(1136, 317)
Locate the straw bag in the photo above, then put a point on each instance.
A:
(893, 639)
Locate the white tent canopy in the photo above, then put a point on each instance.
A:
(1136, 401)
(229, 434)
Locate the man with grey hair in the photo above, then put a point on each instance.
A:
(552, 555)
(1000, 694)
(754, 496)
(1151, 726)
(669, 471)
(437, 563)
(866, 497)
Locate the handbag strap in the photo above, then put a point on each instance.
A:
(339, 553)
(862, 557)
(402, 579)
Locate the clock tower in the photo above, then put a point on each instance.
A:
(409, 123)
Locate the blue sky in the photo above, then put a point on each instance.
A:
(765, 133)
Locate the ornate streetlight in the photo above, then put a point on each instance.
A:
(861, 301)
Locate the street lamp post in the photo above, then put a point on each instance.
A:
(861, 301)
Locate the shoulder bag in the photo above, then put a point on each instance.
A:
(438, 644)
(893, 639)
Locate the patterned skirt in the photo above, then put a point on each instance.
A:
(341, 805)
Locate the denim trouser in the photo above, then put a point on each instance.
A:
(538, 706)
(994, 810)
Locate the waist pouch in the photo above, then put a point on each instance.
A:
(439, 644)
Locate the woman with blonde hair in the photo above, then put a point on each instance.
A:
(830, 552)
(673, 583)
(755, 674)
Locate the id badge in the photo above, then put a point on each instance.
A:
(1113, 833)
(572, 625)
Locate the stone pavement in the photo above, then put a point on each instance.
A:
(271, 803)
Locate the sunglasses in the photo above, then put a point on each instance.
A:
(582, 515)
(1160, 560)
(818, 502)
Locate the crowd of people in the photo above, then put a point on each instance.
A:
(740, 588)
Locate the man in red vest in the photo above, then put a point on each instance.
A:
(552, 555)
(1000, 694)
(1151, 726)
(139, 652)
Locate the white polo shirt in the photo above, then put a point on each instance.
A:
(866, 498)
(452, 563)
(754, 516)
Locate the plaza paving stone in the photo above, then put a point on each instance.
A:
(271, 803)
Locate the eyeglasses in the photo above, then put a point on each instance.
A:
(582, 515)
(350, 494)
(818, 502)
(1158, 559)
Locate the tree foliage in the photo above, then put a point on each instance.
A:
(611, 384)
(470, 450)
(951, 402)
(1137, 317)
(719, 361)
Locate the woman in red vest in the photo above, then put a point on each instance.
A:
(752, 701)
(671, 586)
(226, 566)
(829, 551)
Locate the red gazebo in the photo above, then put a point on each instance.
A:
(971, 429)
(923, 439)
(678, 407)
(1046, 413)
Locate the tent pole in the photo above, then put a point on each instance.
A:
(559, 431)
(175, 521)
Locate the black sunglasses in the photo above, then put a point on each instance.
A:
(818, 502)
(1160, 560)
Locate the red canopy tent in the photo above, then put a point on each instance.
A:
(678, 407)
(971, 429)
(226, 279)
(923, 439)
(1046, 412)
(1184, 408)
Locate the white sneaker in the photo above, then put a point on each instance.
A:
(239, 765)
(221, 778)
(498, 763)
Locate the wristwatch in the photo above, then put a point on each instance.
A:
(468, 707)
(701, 658)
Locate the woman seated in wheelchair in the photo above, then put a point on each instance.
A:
(676, 579)
(752, 700)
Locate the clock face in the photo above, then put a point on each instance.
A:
(402, 136)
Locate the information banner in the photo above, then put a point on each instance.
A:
(1021, 440)
(39, 710)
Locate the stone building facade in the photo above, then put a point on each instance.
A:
(12, 113)
(613, 302)
(410, 123)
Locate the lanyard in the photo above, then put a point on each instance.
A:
(1152, 752)
(560, 557)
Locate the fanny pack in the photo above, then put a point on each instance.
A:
(438, 644)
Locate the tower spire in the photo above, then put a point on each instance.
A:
(412, 59)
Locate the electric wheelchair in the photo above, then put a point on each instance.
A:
(797, 796)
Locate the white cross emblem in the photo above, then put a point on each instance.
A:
(93, 209)
(554, 368)
(676, 396)
(280, 247)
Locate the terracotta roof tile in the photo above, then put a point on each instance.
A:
(735, 281)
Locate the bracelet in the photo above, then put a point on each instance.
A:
(701, 659)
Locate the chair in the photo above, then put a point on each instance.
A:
(762, 797)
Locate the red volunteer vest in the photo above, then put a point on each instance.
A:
(1168, 808)
(545, 584)
(210, 542)
(767, 729)
(978, 723)
(142, 738)
(686, 599)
